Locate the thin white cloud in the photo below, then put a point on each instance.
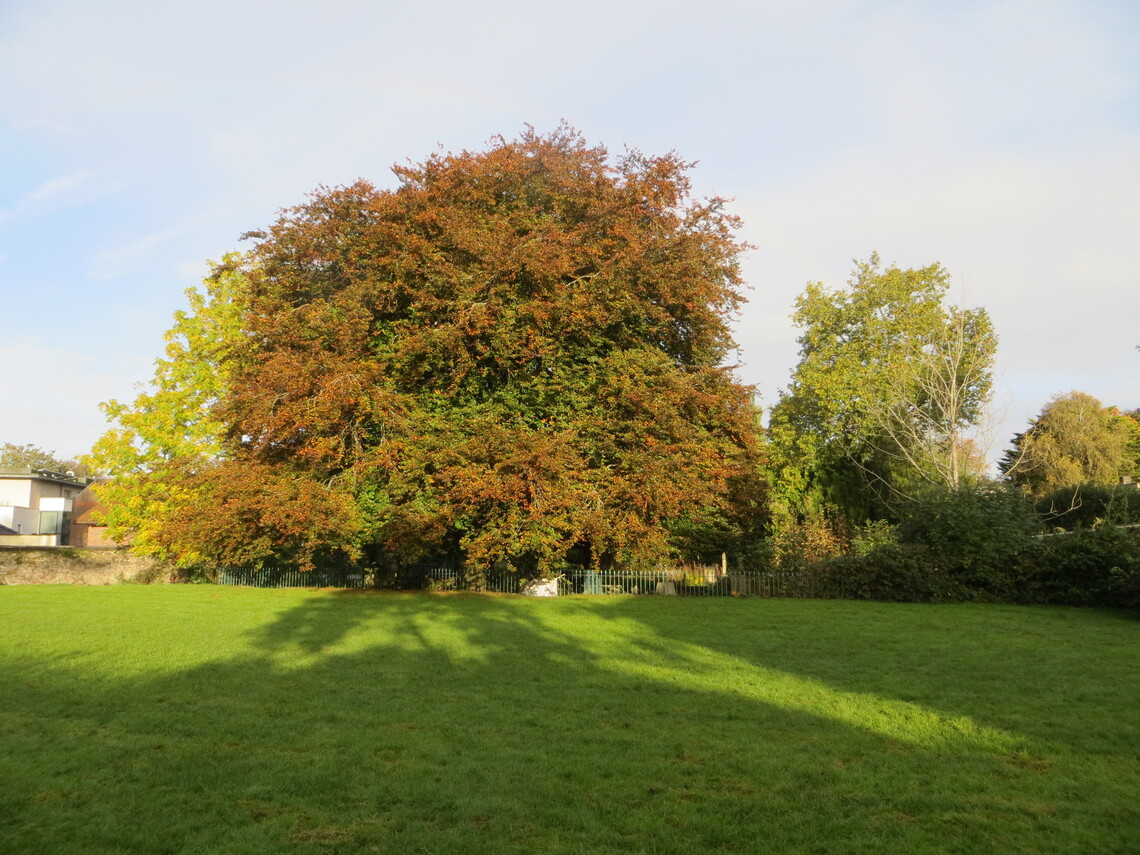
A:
(113, 263)
(70, 190)
(63, 185)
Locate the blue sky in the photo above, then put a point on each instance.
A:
(1000, 138)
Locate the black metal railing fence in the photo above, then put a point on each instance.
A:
(683, 582)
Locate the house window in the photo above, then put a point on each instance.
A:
(56, 522)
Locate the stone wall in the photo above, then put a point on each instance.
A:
(62, 565)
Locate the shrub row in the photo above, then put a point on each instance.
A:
(1089, 567)
(989, 545)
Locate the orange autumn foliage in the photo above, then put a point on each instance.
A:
(514, 354)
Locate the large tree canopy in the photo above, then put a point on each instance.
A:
(515, 354)
(889, 386)
(1075, 440)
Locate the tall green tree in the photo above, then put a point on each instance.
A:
(1075, 440)
(890, 386)
(515, 355)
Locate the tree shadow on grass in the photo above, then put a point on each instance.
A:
(394, 723)
(1019, 670)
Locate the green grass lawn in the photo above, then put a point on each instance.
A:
(194, 719)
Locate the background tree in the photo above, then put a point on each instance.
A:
(1131, 421)
(13, 456)
(513, 355)
(1075, 440)
(888, 391)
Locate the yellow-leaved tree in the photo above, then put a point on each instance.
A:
(170, 430)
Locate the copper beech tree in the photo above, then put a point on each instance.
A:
(514, 356)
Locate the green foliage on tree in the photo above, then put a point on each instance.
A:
(1131, 423)
(13, 456)
(889, 386)
(515, 355)
(1075, 440)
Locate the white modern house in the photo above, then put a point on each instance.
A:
(36, 506)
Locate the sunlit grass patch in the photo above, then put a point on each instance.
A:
(201, 719)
